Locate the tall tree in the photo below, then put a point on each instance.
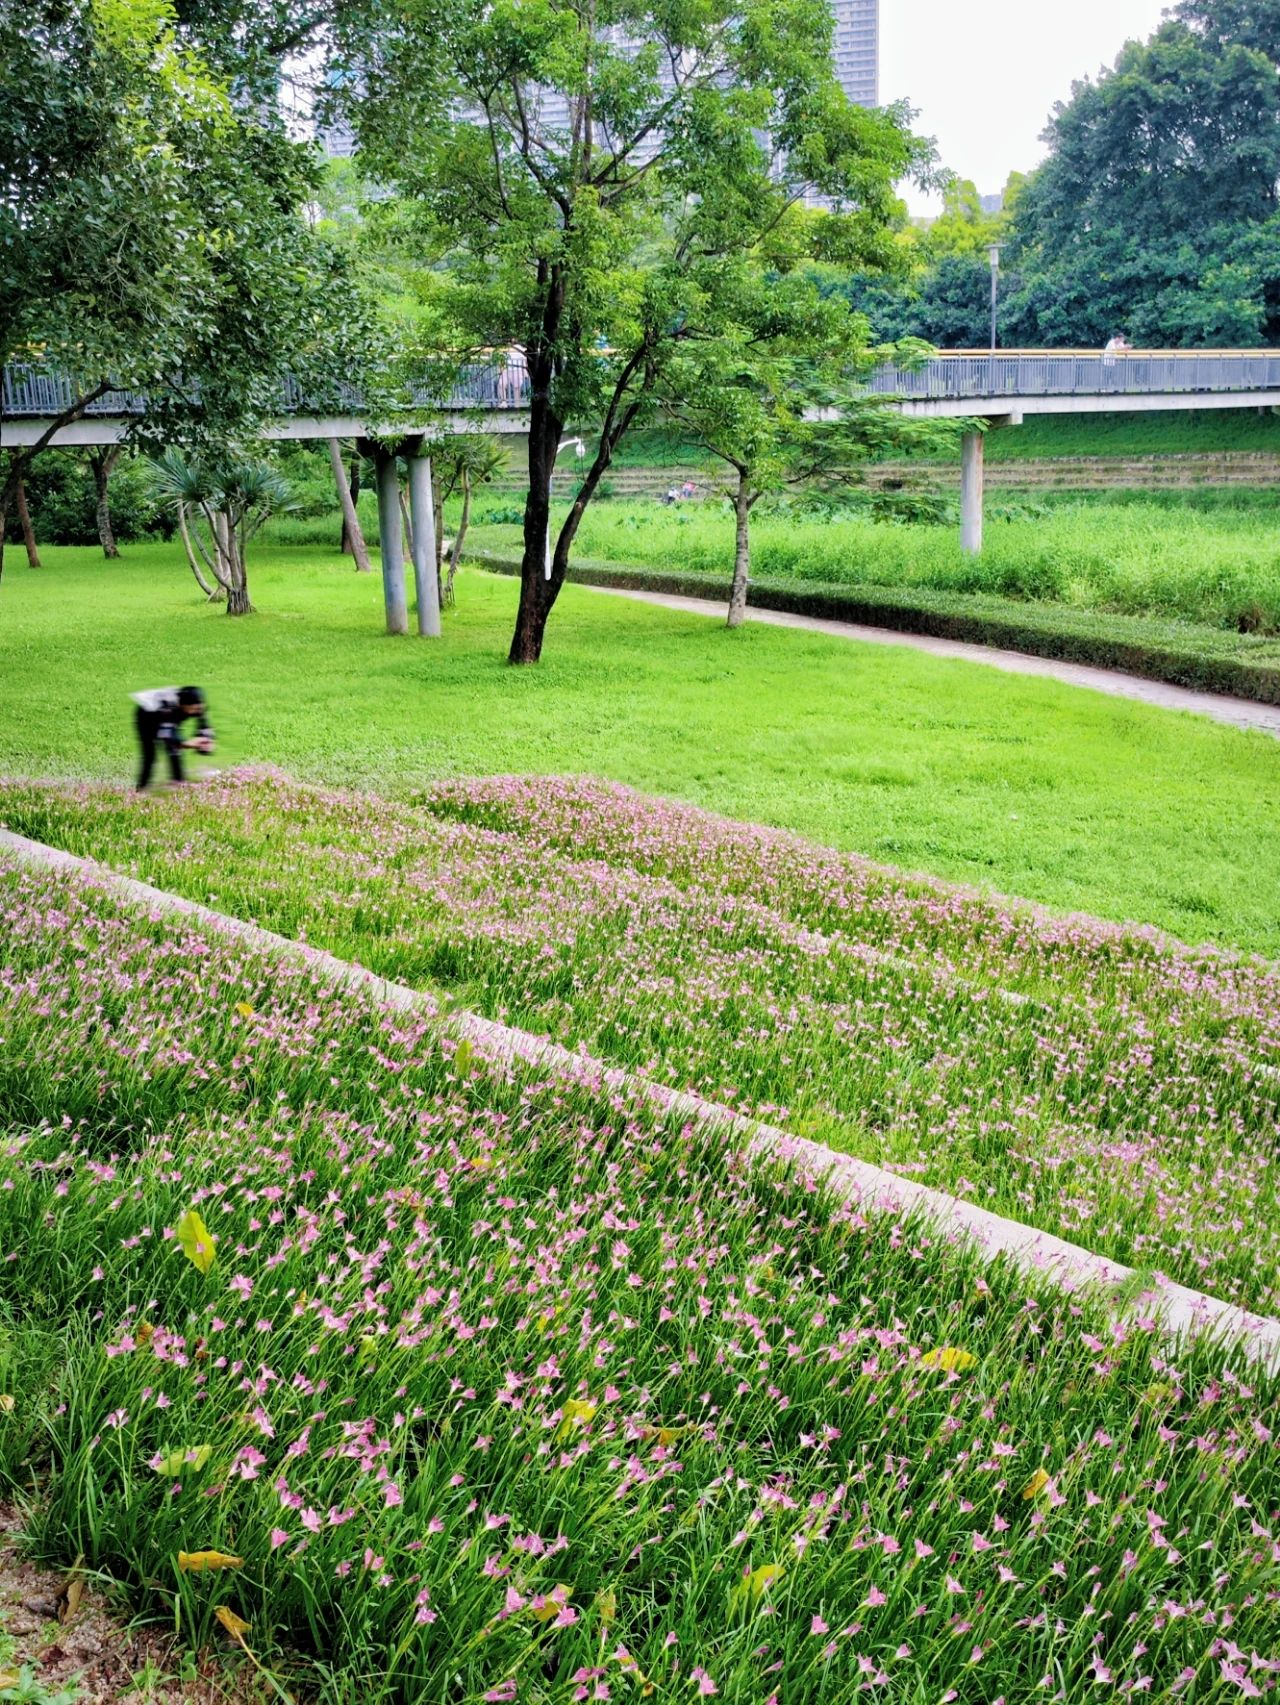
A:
(742, 391)
(151, 230)
(775, 395)
(590, 165)
(1181, 135)
(1157, 210)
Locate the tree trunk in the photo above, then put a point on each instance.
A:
(18, 460)
(406, 528)
(238, 596)
(103, 463)
(210, 592)
(24, 518)
(741, 551)
(352, 538)
(455, 555)
(537, 589)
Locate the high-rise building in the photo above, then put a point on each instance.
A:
(857, 49)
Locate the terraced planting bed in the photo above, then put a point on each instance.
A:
(423, 1379)
(1095, 1082)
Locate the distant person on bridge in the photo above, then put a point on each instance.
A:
(512, 372)
(1116, 346)
(158, 718)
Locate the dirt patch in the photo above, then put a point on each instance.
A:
(62, 1639)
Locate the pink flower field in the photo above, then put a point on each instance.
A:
(441, 1381)
(1091, 1080)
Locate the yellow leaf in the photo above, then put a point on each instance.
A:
(669, 1435)
(6, 1405)
(178, 1462)
(751, 1588)
(946, 1359)
(235, 1625)
(1037, 1483)
(196, 1240)
(9, 1678)
(143, 1333)
(607, 1604)
(1159, 1395)
(196, 1562)
(245, 1010)
(70, 1598)
(553, 1604)
(463, 1056)
(576, 1413)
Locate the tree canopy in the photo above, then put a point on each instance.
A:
(590, 166)
(152, 233)
(1155, 213)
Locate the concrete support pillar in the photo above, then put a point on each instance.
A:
(971, 485)
(422, 519)
(391, 543)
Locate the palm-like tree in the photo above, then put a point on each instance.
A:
(220, 504)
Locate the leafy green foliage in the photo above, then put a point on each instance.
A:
(590, 169)
(1215, 565)
(151, 228)
(1154, 215)
(60, 491)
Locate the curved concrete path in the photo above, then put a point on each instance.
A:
(1238, 713)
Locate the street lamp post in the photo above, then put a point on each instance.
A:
(993, 254)
(580, 451)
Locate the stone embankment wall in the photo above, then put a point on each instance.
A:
(1057, 473)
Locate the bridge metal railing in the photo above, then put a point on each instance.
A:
(26, 392)
(1016, 373)
(951, 377)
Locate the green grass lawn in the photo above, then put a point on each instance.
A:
(1215, 565)
(1030, 788)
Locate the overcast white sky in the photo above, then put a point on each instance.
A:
(985, 73)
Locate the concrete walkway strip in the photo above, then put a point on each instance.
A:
(1236, 712)
(1183, 1311)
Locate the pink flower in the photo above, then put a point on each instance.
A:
(704, 1681)
(818, 1626)
(278, 1538)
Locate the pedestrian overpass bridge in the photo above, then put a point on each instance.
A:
(985, 389)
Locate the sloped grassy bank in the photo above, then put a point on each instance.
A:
(445, 1383)
(1094, 1081)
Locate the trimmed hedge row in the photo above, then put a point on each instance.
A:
(1181, 653)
